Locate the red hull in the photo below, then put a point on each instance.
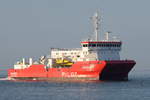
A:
(89, 70)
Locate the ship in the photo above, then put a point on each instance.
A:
(95, 60)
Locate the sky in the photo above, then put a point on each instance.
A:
(29, 28)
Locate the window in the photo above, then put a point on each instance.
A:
(98, 45)
(104, 45)
(90, 45)
(78, 55)
(93, 45)
(118, 45)
(84, 45)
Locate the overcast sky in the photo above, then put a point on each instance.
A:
(29, 28)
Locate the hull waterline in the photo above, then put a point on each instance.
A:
(93, 70)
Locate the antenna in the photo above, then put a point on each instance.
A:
(96, 22)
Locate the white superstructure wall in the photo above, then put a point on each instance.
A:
(103, 50)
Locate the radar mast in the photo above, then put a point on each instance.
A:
(96, 23)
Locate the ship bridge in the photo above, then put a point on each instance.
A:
(103, 50)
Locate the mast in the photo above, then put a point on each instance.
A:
(96, 23)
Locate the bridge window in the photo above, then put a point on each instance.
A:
(85, 45)
(107, 45)
(93, 45)
(118, 45)
(98, 45)
(90, 45)
(101, 45)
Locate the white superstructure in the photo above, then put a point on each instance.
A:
(92, 49)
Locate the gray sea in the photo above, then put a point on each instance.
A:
(137, 88)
